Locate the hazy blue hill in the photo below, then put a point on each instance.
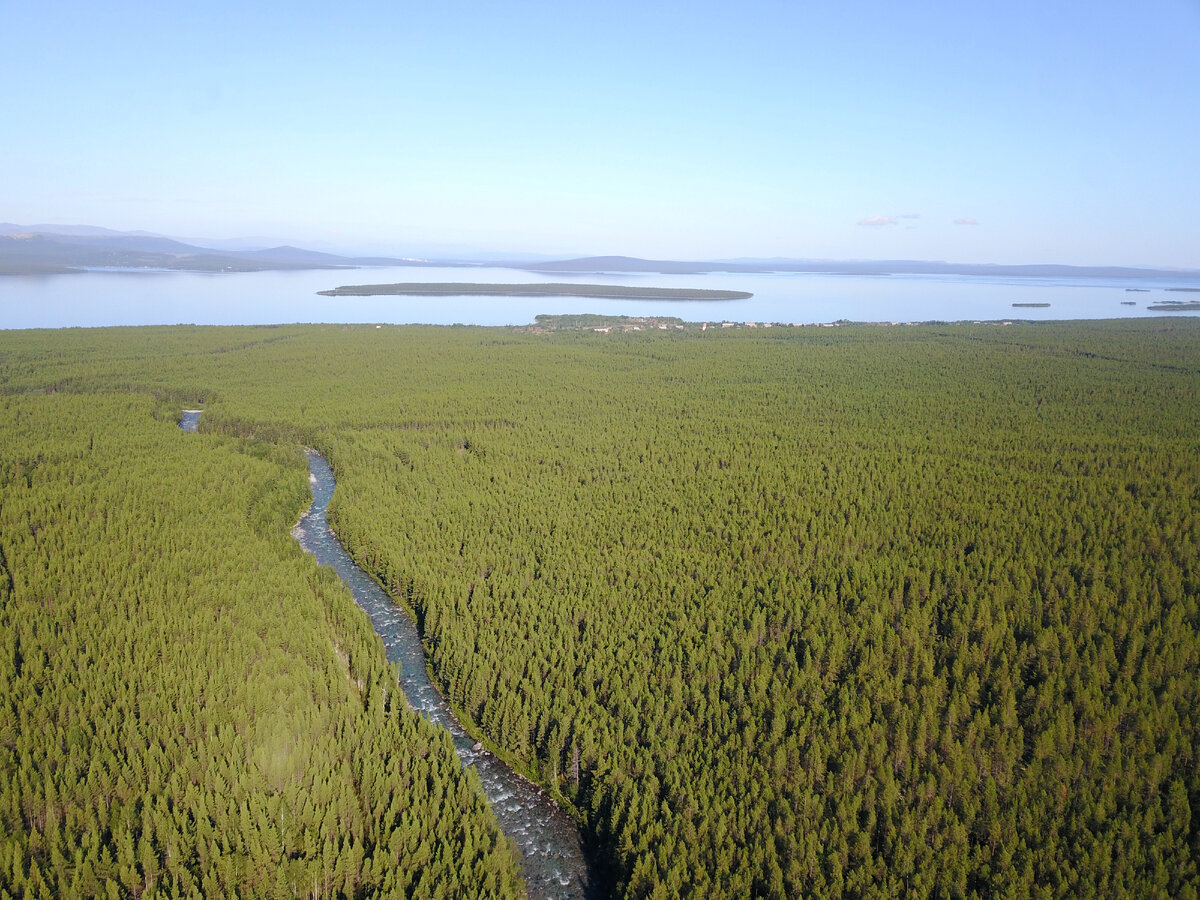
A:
(293, 256)
(623, 264)
(27, 250)
(37, 253)
(41, 252)
(849, 267)
(135, 243)
(81, 230)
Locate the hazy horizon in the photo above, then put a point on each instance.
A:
(466, 255)
(1020, 135)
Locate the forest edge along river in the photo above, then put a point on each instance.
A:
(551, 847)
(552, 857)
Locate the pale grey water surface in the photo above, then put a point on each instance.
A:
(553, 860)
(264, 298)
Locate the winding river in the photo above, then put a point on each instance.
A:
(552, 851)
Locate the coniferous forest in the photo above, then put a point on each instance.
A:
(841, 612)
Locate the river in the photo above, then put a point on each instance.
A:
(190, 419)
(550, 843)
(551, 847)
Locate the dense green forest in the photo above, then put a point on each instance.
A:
(853, 612)
(188, 706)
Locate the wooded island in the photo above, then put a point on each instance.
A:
(597, 291)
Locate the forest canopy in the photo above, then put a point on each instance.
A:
(188, 707)
(854, 612)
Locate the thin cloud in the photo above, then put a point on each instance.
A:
(966, 221)
(911, 216)
(877, 221)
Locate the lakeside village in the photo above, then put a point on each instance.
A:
(548, 324)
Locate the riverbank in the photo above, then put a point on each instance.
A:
(548, 839)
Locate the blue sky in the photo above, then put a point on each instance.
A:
(1017, 132)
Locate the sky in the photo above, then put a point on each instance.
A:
(1057, 131)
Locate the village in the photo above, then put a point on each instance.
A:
(599, 324)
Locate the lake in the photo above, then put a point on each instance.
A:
(259, 298)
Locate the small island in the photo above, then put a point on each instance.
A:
(1175, 305)
(596, 291)
(1031, 305)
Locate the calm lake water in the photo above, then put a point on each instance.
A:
(263, 298)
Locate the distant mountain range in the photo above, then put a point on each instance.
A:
(43, 249)
(46, 249)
